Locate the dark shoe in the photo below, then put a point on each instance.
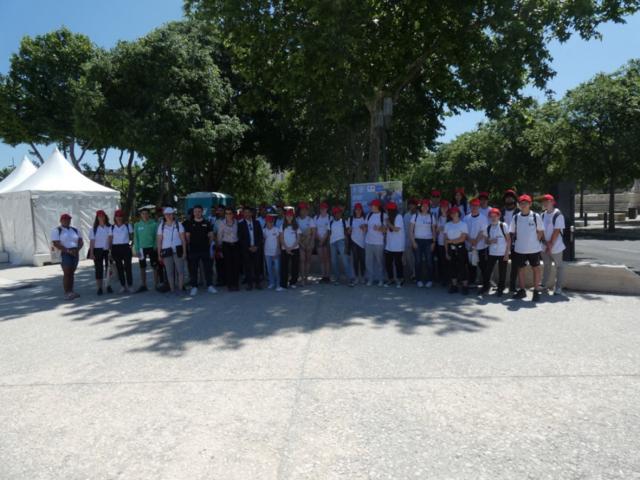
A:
(258, 286)
(141, 289)
(484, 290)
(498, 293)
(250, 287)
(536, 296)
(109, 289)
(99, 291)
(465, 290)
(453, 289)
(520, 294)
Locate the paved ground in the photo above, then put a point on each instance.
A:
(318, 383)
(622, 252)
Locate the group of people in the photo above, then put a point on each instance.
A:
(457, 243)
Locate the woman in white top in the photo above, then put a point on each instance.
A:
(394, 245)
(99, 248)
(455, 234)
(374, 243)
(307, 236)
(322, 236)
(272, 251)
(67, 239)
(422, 232)
(172, 249)
(358, 227)
(443, 264)
(290, 249)
(120, 239)
(499, 241)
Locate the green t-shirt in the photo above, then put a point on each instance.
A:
(145, 234)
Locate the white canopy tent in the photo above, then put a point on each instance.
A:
(32, 209)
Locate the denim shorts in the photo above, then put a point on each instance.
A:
(69, 260)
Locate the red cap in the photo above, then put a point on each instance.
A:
(289, 212)
(495, 211)
(271, 217)
(324, 205)
(444, 202)
(524, 198)
(412, 201)
(392, 206)
(303, 205)
(435, 193)
(65, 216)
(336, 209)
(118, 213)
(475, 202)
(454, 209)
(376, 203)
(549, 197)
(357, 205)
(483, 195)
(459, 190)
(425, 201)
(510, 191)
(100, 213)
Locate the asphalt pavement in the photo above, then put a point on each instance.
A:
(616, 252)
(322, 382)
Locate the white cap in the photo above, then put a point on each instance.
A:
(168, 210)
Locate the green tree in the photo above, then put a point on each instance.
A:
(4, 172)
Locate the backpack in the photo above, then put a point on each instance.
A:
(556, 214)
(72, 228)
(344, 225)
(515, 219)
(515, 212)
(502, 225)
(381, 217)
(127, 225)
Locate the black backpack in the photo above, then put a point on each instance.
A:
(72, 228)
(515, 212)
(556, 214)
(381, 217)
(502, 225)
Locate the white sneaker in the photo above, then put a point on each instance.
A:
(429, 284)
(369, 283)
(279, 289)
(193, 292)
(381, 283)
(212, 289)
(420, 284)
(398, 284)
(270, 286)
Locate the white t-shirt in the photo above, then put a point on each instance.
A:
(442, 221)
(337, 230)
(452, 231)
(407, 222)
(526, 232)
(396, 240)
(100, 236)
(477, 224)
(375, 237)
(305, 224)
(271, 240)
(290, 236)
(68, 237)
(485, 211)
(508, 216)
(322, 225)
(547, 219)
(170, 234)
(357, 234)
(435, 210)
(422, 225)
(120, 234)
(495, 232)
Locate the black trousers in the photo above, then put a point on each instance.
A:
(502, 269)
(194, 265)
(231, 259)
(357, 256)
(443, 265)
(100, 262)
(513, 274)
(122, 258)
(482, 266)
(289, 267)
(251, 264)
(220, 278)
(391, 259)
(458, 262)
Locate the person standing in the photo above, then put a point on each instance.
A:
(422, 234)
(394, 245)
(553, 221)
(374, 243)
(510, 199)
(455, 235)
(440, 222)
(216, 248)
(477, 225)
(290, 250)
(322, 241)
(120, 239)
(434, 202)
(144, 246)
(199, 237)
(499, 241)
(272, 252)
(250, 240)
(485, 208)
(307, 237)
(408, 258)
(460, 201)
(338, 238)
(99, 248)
(528, 231)
(230, 250)
(357, 227)
(68, 241)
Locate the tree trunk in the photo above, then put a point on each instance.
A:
(581, 199)
(375, 138)
(131, 185)
(36, 152)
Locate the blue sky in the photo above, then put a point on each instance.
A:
(106, 22)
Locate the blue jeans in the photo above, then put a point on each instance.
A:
(338, 252)
(424, 260)
(273, 269)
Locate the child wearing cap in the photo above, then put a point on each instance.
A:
(322, 241)
(290, 250)
(374, 243)
(357, 227)
(442, 263)
(499, 241)
(422, 233)
(408, 258)
(307, 236)
(477, 224)
(272, 252)
(528, 231)
(68, 241)
(435, 202)
(394, 246)
(338, 238)
(485, 208)
(99, 248)
(144, 246)
(120, 238)
(554, 247)
(455, 235)
(460, 201)
(510, 200)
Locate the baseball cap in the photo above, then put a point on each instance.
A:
(475, 202)
(483, 195)
(118, 213)
(101, 213)
(454, 209)
(435, 193)
(168, 211)
(357, 205)
(336, 209)
(65, 216)
(444, 202)
(524, 198)
(495, 211)
(376, 203)
(392, 206)
(324, 205)
(549, 197)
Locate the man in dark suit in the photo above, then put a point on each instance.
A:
(250, 239)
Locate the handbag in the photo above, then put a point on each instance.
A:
(166, 252)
